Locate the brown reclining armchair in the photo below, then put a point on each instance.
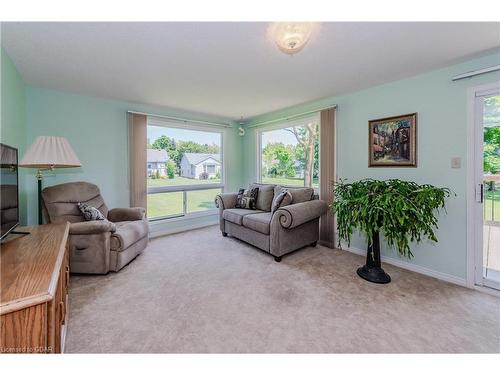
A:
(96, 246)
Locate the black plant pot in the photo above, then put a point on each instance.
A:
(372, 270)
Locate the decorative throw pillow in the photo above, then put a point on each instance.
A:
(247, 198)
(90, 213)
(284, 198)
(239, 197)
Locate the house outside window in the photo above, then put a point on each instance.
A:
(157, 160)
(200, 166)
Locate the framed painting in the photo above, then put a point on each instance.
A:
(393, 141)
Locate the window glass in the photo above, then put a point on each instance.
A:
(179, 156)
(165, 204)
(290, 155)
(181, 162)
(201, 200)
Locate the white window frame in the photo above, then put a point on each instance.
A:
(277, 126)
(161, 122)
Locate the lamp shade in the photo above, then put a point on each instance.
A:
(50, 152)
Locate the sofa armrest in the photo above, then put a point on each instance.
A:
(126, 214)
(91, 227)
(226, 200)
(296, 214)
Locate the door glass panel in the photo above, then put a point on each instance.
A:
(491, 181)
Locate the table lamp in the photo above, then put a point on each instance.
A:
(48, 153)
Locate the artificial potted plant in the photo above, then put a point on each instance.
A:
(402, 211)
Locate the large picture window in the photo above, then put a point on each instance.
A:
(289, 153)
(184, 169)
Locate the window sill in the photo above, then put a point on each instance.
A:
(163, 227)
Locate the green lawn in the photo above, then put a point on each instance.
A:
(166, 204)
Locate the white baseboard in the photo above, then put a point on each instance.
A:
(415, 268)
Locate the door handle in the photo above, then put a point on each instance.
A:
(480, 193)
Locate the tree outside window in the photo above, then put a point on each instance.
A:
(290, 156)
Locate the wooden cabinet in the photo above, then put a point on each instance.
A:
(34, 284)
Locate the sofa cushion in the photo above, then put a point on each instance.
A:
(300, 195)
(235, 215)
(127, 233)
(258, 222)
(265, 196)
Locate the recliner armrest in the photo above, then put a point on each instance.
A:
(226, 200)
(126, 214)
(296, 214)
(92, 227)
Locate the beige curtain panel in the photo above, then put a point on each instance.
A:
(327, 173)
(137, 159)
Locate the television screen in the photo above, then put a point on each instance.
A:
(9, 197)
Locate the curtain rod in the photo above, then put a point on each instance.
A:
(182, 119)
(473, 73)
(291, 117)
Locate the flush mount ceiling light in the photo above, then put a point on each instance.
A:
(291, 37)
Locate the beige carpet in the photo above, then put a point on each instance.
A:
(199, 292)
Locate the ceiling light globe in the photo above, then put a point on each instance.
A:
(291, 37)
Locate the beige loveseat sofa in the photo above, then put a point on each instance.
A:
(287, 229)
(96, 246)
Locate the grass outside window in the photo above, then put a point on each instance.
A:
(164, 204)
(171, 203)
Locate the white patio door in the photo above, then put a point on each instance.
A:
(487, 187)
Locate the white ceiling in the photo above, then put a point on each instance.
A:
(232, 69)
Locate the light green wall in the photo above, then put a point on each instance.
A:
(13, 121)
(97, 130)
(441, 107)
